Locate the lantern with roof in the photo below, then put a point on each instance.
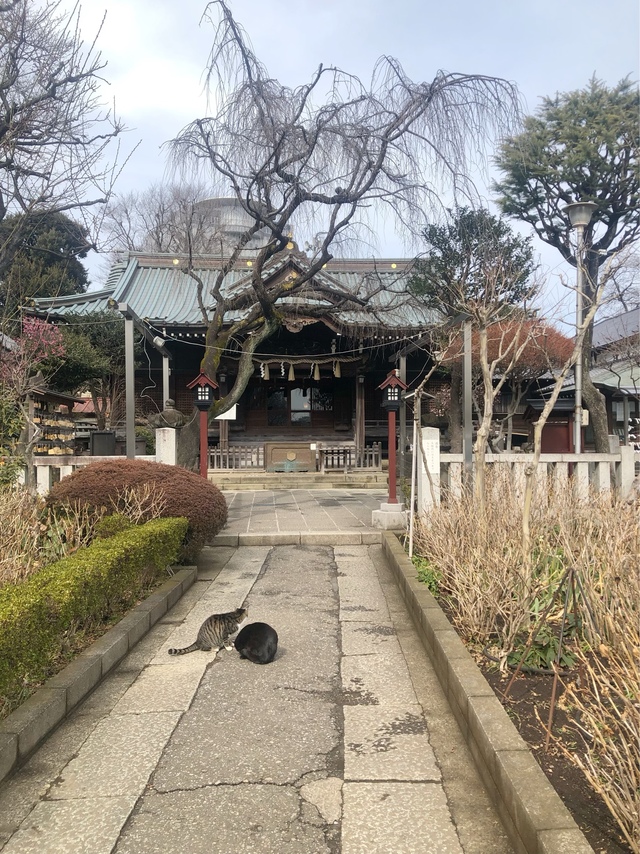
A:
(203, 388)
(392, 389)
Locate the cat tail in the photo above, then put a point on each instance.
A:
(185, 649)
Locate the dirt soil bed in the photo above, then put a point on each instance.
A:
(528, 707)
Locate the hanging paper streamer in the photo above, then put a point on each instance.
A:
(281, 369)
(292, 374)
(262, 370)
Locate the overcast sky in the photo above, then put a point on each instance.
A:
(157, 49)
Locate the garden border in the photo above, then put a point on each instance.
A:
(530, 808)
(25, 728)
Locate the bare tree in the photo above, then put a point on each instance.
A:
(167, 218)
(319, 161)
(54, 128)
(623, 285)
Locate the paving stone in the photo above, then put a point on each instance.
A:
(243, 819)
(154, 692)
(382, 743)
(402, 818)
(117, 758)
(363, 638)
(107, 694)
(376, 680)
(88, 825)
(326, 796)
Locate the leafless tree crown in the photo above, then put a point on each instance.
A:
(54, 128)
(324, 155)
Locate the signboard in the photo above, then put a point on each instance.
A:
(230, 415)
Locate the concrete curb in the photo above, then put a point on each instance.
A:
(297, 538)
(23, 730)
(530, 808)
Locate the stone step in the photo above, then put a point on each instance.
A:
(233, 481)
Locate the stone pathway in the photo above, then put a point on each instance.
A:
(301, 510)
(344, 744)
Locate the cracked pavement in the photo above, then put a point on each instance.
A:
(344, 744)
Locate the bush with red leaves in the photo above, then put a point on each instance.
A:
(185, 493)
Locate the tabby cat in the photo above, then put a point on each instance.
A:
(258, 642)
(215, 632)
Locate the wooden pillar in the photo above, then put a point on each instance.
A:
(359, 426)
(204, 442)
(393, 492)
(403, 420)
(223, 425)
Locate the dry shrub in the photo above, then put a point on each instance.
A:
(32, 536)
(605, 706)
(605, 702)
(140, 503)
(185, 493)
(495, 598)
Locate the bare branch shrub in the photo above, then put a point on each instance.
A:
(141, 502)
(605, 704)
(32, 536)
(495, 600)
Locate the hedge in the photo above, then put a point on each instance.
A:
(185, 494)
(40, 616)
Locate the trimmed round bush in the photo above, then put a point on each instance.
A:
(185, 493)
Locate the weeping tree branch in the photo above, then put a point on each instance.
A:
(323, 159)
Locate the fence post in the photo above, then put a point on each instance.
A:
(625, 472)
(428, 469)
(166, 445)
(43, 479)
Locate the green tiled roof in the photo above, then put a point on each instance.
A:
(158, 291)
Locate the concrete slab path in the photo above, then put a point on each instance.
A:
(344, 744)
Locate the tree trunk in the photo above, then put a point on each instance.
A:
(455, 411)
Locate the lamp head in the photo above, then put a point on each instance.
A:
(580, 213)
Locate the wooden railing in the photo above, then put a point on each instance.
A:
(348, 458)
(237, 457)
(328, 458)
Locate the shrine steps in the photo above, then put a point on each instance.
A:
(236, 481)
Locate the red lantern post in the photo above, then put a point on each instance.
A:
(203, 388)
(392, 387)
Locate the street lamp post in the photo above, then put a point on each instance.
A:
(203, 388)
(580, 216)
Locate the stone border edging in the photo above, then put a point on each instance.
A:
(297, 538)
(530, 808)
(25, 728)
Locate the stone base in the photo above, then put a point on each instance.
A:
(390, 517)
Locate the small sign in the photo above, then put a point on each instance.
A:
(230, 415)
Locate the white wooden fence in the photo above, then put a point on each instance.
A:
(585, 472)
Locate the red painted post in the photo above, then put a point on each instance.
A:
(204, 442)
(393, 494)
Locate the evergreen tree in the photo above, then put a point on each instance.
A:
(473, 265)
(46, 262)
(580, 146)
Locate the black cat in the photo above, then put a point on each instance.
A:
(258, 642)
